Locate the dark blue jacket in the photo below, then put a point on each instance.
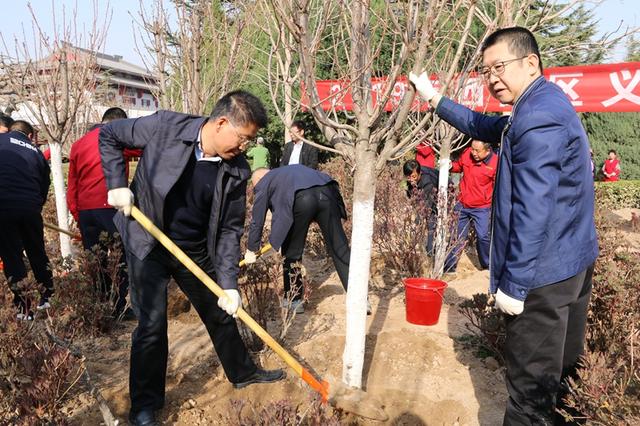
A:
(169, 139)
(543, 217)
(276, 191)
(24, 174)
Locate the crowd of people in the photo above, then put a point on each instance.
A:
(526, 189)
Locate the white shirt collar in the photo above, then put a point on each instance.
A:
(200, 155)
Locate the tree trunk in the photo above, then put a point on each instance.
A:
(60, 196)
(364, 192)
(442, 227)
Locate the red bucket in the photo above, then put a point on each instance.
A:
(424, 300)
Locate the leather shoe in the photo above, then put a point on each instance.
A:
(261, 376)
(143, 418)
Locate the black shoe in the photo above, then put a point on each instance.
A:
(261, 376)
(143, 418)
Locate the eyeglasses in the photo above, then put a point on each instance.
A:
(244, 140)
(497, 68)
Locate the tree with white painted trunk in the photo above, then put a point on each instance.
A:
(53, 78)
(367, 40)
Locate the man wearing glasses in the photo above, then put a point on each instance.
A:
(543, 243)
(191, 182)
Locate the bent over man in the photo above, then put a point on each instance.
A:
(543, 243)
(191, 182)
(297, 196)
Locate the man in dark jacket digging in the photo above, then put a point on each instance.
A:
(191, 182)
(297, 196)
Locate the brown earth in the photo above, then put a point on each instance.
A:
(423, 375)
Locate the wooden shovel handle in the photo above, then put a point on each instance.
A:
(320, 386)
(64, 231)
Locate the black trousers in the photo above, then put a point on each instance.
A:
(92, 224)
(149, 346)
(542, 349)
(23, 230)
(320, 204)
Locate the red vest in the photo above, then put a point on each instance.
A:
(612, 166)
(425, 155)
(478, 178)
(86, 187)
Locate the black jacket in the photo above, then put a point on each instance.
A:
(427, 186)
(308, 155)
(24, 174)
(169, 139)
(276, 191)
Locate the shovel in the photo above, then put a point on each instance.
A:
(348, 399)
(64, 231)
(262, 251)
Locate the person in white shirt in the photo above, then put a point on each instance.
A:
(298, 152)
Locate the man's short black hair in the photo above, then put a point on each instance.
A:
(241, 108)
(410, 166)
(5, 121)
(114, 113)
(299, 124)
(486, 145)
(614, 151)
(22, 127)
(520, 40)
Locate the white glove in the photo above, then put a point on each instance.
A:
(250, 257)
(231, 303)
(423, 85)
(121, 199)
(508, 304)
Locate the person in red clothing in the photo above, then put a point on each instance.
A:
(87, 202)
(611, 167)
(425, 155)
(478, 165)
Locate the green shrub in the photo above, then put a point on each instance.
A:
(617, 195)
(607, 389)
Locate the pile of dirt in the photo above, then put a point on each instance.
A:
(419, 373)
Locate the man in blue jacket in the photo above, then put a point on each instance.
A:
(543, 243)
(191, 182)
(297, 196)
(24, 185)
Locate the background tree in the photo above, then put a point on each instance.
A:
(633, 49)
(194, 49)
(54, 80)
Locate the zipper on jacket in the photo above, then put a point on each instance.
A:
(493, 198)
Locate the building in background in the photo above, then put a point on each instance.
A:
(117, 83)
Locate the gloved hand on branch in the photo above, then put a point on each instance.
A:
(423, 85)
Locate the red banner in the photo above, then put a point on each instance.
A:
(591, 88)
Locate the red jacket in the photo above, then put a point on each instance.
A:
(425, 155)
(611, 167)
(478, 178)
(86, 187)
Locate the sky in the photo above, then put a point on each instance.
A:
(120, 36)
